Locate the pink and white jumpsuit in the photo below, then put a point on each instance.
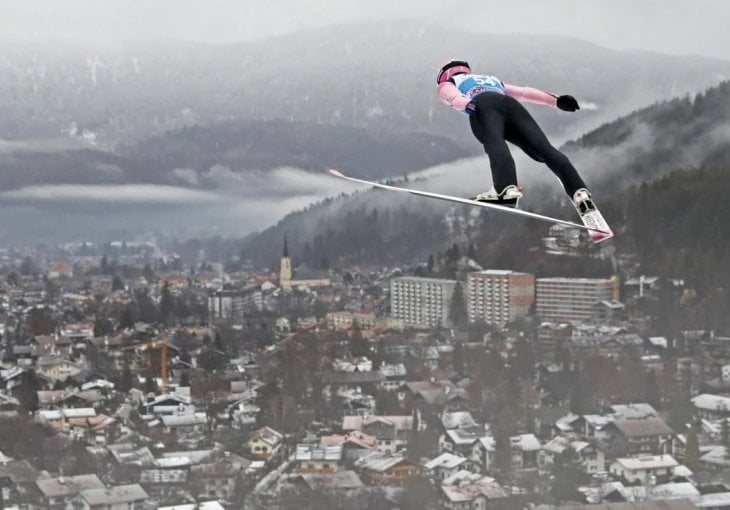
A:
(496, 117)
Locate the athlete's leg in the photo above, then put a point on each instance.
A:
(488, 125)
(523, 131)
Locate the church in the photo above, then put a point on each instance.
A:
(306, 277)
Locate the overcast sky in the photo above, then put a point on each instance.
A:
(670, 26)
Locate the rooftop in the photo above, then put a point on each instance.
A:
(647, 462)
(114, 495)
(68, 485)
(651, 426)
(445, 460)
(331, 481)
(308, 452)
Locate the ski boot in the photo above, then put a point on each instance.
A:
(507, 198)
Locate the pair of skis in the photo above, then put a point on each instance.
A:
(591, 217)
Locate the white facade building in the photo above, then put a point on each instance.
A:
(421, 302)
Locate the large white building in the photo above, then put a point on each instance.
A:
(573, 300)
(421, 302)
(226, 304)
(498, 297)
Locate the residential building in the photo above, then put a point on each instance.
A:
(265, 442)
(637, 436)
(17, 481)
(317, 458)
(226, 304)
(421, 302)
(550, 337)
(391, 432)
(355, 444)
(346, 319)
(470, 491)
(592, 458)
(341, 482)
(711, 407)
(63, 491)
(572, 300)
(385, 468)
(645, 469)
(121, 497)
(499, 297)
(445, 465)
(218, 479)
(56, 368)
(524, 450)
(717, 459)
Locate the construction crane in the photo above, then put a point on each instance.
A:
(160, 344)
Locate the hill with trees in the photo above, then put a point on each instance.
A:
(662, 214)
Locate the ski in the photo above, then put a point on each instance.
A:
(593, 219)
(591, 228)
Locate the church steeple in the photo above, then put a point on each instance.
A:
(285, 272)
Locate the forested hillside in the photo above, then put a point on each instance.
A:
(680, 225)
(242, 146)
(682, 133)
(643, 147)
(262, 145)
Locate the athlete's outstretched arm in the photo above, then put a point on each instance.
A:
(452, 96)
(531, 95)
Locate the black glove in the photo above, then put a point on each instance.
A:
(568, 103)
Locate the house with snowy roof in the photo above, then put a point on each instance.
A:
(317, 458)
(645, 469)
(391, 431)
(592, 458)
(712, 407)
(265, 442)
(386, 468)
(466, 490)
(445, 465)
(63, 491)
(524, 449)
(644, 435)
(354, 444)
(113, 498)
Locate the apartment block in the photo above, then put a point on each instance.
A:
(498, 297)
(573, 300)
(421, 302)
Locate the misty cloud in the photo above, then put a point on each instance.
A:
(130, 194)
(29, 146)
(187, 175)
(275, 184)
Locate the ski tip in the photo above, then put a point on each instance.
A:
(601, 235)
(336, 173)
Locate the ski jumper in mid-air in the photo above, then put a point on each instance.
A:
(497, 117)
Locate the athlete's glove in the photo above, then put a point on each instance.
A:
(470, 108)
(568, 103)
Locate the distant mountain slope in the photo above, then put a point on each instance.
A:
(371, 74)
(242, 146)
(262, 145)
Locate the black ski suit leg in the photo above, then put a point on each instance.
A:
(488, 126)
(524, 132)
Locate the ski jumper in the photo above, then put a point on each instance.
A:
(496, 117)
